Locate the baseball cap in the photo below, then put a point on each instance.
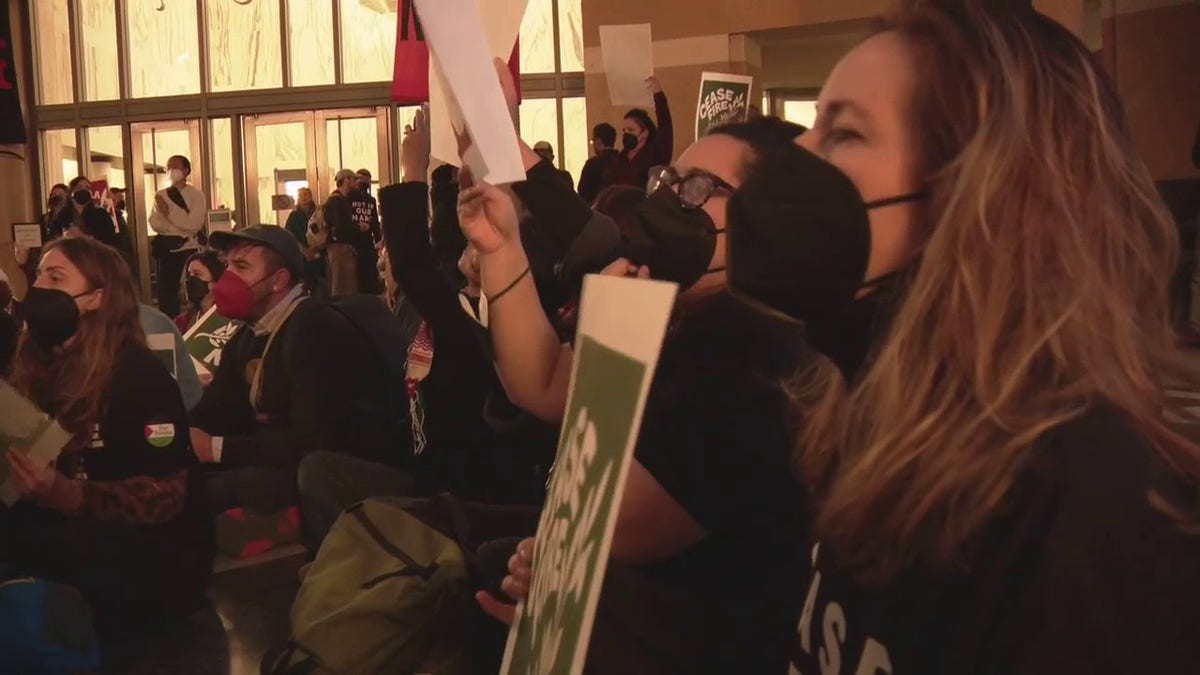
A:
(275, 238)
(343, 175)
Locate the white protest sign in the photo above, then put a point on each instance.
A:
(621, 327)
(628, 61)
(464, 36)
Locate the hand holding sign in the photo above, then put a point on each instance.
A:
(486, 214)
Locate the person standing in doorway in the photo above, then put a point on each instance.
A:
(298, 225)
(340, 230)
(604, 144)
(368, 235)
(177, 219)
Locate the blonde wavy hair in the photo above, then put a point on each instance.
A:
(1041, 289)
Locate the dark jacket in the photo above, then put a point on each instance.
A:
(626, 170)
(365, 209)
(322, 389)
(479, 446)
(339, 219)
(591, 179)
(297, 225)
(94, 221)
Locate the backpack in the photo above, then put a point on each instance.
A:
(387, 594)
(45, 628)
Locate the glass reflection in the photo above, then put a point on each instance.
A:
(53, 53)
(368, 40)
(310, 41)
(164, 54)
(98, 19)
(243, 45)
(537, 37)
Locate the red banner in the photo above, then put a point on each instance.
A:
(410, 75)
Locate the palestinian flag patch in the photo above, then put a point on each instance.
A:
(160, 435)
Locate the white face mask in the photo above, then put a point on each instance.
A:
(176, 175)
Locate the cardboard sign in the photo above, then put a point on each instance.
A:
(464, 37)
(26, 428)
(724, 98)
(621, 328)
(628, 60)
(207, 338)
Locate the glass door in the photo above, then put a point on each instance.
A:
(355, 139)
(280, 159)
(152, 144)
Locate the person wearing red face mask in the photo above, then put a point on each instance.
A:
(298, 376)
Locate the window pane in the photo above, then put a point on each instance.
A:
(164, 54)
(282, 159)
(800, 112)
(570, 35)
(60, 154)
(99, 21)
(52, 28)
(539, 122)
(537, 37)
(368, 40)
(107, 155)
(220, 188)
(310, 39)
(353, 143)
(243, 45)
(575, 135)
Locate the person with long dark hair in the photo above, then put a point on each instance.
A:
(644, 144)
(115, 516)
(82, 216)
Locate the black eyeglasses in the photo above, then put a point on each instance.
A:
(694, 189)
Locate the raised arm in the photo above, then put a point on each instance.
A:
(664, 139)
(533, 367)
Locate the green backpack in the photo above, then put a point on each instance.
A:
(387, 594)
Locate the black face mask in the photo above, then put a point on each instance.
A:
(55, 202)
(676, 243)
(629, 141)
(51, 314)
(82, 197)
(799, 236)
(197, 290)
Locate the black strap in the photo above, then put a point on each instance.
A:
(423, 571)
(176, 196)
(406, 12)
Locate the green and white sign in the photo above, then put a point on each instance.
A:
(24, 427)
(206, 339)
(724, 98)
(621, 328)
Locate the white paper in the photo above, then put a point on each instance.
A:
(628, 61)
(464, 37)
(28, 235)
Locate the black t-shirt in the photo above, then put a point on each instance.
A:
(1077, 574)
(143, 431)
(715, 435)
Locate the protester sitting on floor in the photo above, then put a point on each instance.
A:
(298, 376)
(202, 271)
(710, 478)
(115, 516)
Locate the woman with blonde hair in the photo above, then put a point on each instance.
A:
(114, 515)
(996, 488)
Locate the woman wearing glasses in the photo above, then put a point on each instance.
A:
(710, 480)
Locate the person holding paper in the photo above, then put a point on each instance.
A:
(115, 515)
(643, 143)
(710, 478)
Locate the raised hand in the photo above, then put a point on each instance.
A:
(654, 85)
(486, 214)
